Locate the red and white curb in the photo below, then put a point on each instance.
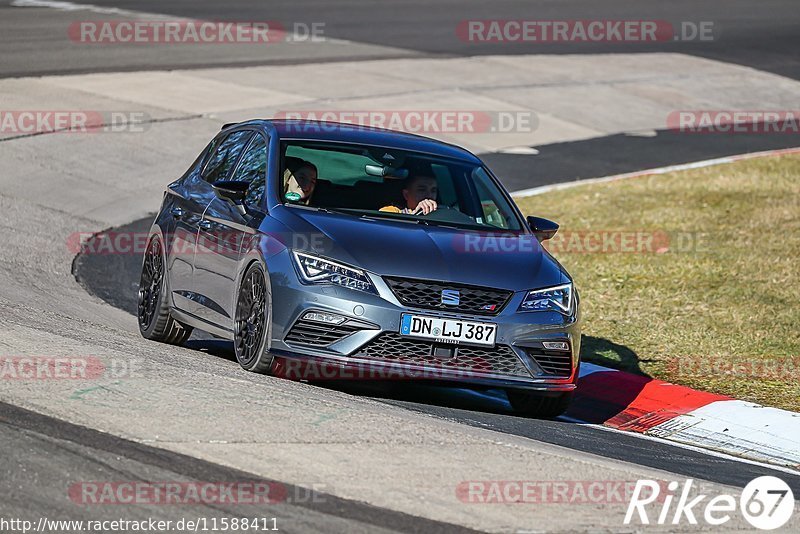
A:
(655, 408)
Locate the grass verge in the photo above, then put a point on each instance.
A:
(691, 277)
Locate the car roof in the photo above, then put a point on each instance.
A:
(357, 134)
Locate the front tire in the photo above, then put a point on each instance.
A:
(155, 321)
(251, 324)
(532, 404)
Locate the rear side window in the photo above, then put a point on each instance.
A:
(253, 169)
(225, 155)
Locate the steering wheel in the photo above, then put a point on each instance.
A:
(450, 214)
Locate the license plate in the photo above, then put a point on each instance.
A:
(447, 330)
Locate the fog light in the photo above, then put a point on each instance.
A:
(556, 345)
(327, 318)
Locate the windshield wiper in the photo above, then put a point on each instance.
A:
(378, 217)
(440, 224)
(340, 211)
(352, 213)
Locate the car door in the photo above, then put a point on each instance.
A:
(186, 201)
(220, 239)
(192, 199)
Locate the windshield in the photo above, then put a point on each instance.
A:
(372, 181)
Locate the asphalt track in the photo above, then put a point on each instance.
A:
(65, 452)
(623, 153)
(761, 35)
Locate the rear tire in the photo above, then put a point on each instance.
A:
(533, 404)
(251, 324)
(155, 321)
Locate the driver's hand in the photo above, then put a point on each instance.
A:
(425, 207)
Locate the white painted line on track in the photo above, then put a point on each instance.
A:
(648, 172)
(72, 6)
(686, 446)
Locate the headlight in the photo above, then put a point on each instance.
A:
(316, 270)
(558, 298)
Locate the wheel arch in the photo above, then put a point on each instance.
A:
(254, 257)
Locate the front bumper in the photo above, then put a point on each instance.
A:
(368, 345)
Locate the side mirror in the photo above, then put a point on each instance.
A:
(233, 191)
(543, 229)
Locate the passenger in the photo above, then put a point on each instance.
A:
(299, 180)
(419, 194)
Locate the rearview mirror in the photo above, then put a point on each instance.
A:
(385, 172)
(233, 191)
(543, 229)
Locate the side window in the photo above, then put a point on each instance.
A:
(221, 162)
(253, 169)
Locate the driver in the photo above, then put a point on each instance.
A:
(300, 179)
(419, 193)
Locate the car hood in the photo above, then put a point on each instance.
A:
(411, 250)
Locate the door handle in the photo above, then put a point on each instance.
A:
(178, 212)
(206, 225)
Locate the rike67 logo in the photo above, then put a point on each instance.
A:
(767, 503)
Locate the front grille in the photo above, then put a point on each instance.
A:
(318, 334)
(428, 294)
(392, 347)
(552, 362)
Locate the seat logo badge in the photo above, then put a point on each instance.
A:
(451, 297)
